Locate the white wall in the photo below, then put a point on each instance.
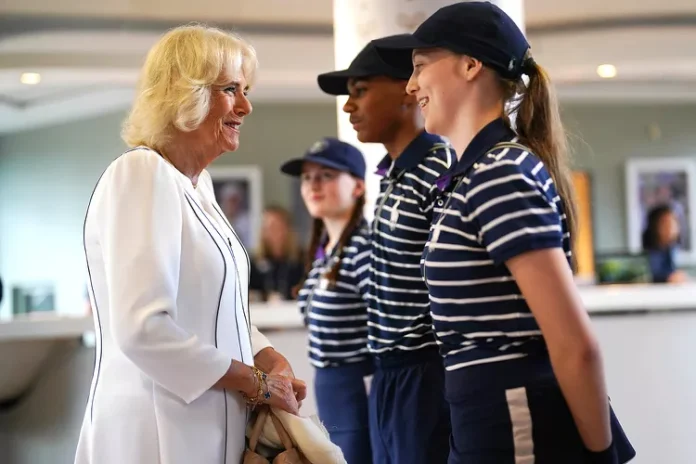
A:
(47, 177)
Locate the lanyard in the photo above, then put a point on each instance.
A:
(436, 228)
(382, 202)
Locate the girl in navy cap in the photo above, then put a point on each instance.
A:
(333, 295)
(524, 375)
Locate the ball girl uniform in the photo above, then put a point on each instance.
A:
(504, 398)
(336, 316)
(499, 202)
(409, 417)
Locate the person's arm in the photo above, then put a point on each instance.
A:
(272, 362)
(269, 360)
(520, 226)
(140, 224)
(546, 282)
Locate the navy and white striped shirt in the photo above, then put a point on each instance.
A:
(337, 317)
(497, 205)
(399, 311)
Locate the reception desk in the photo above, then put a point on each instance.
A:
(647, 332)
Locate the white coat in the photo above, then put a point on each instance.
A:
(169, 289)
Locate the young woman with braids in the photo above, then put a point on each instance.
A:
(524, 374)
(333, 296)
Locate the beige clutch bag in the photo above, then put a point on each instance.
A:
(290, 455)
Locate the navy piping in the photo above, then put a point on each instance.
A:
(98, 358)
(244, 312)
(95, 310)
(217, 313)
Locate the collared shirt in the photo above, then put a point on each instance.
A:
(662, 263)
(337, 317)
(499, 204)
(399, 312)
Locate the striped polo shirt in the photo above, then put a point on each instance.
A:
(498, 204)
(337, 317)
(399, 311)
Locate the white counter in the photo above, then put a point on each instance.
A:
(284, 315)
(650, 374)
(27, 342)
(599, 300)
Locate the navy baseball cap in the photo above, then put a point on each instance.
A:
(480, 30)
(332, 153)
(367, 64)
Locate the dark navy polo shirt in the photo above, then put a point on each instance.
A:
(337, 317)
(498, 205)
(399, 310)
(662, 264)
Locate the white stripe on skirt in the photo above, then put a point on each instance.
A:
(521, 419)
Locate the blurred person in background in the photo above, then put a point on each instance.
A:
(333, 297)
(233, 204)
(178, 365)
(660, 243)
(277, 266)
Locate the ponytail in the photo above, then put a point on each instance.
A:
(318, 231)
(539, 126)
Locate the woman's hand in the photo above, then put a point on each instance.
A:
(272, 362)
(282, 393)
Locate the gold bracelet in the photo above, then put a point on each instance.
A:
(260, 395)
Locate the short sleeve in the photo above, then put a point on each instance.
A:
(515, 208)
(140, 222)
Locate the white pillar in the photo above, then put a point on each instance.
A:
(356, 22)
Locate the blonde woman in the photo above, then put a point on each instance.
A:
(177, 361)
(277, 267)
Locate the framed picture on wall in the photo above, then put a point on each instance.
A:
(658, 182)
(238, 190)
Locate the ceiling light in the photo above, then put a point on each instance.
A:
(30, 78)
(606, 71)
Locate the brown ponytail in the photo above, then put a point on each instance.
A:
(356, 219)
(539, 127)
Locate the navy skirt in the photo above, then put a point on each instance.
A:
(514, 412)
(342, 405)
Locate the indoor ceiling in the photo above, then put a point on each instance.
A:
(88, 54)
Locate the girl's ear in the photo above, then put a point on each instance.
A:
(469, 67)
(359, 189)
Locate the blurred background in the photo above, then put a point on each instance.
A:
(625, 72)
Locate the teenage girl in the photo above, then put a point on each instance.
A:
(334, 292)
(524, 375)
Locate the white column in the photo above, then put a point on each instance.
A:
(356, 22)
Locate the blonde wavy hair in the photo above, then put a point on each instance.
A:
(175, 82)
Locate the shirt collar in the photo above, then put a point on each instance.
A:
(494, 132)
(411, 156)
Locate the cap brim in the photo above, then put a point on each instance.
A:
(397, 50)
(336, 82)
(293, 167)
